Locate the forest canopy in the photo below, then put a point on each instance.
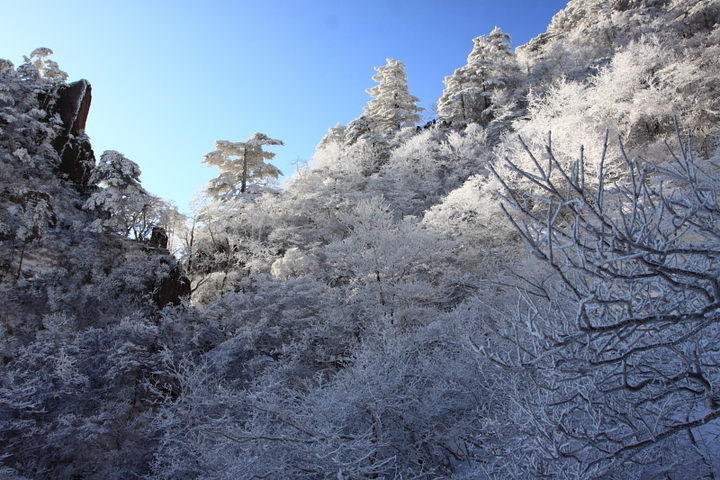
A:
(525, 286)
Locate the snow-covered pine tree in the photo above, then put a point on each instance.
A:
(393, 106)
(366, 140)
(467, 92)
(335, 135)
(240, 163)
(39, 63)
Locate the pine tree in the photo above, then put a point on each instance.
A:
(43, 66)
(393, 106)
(241, 163)
(335, 134)
(468, 91)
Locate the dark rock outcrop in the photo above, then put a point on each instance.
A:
(172, 289)
(158, 238)
(72, 144)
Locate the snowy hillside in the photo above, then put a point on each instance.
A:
(524, 287)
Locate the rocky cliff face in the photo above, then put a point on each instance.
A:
(69, 287)
(51, 261)
(72, 144)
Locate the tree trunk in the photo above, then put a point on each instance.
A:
(244, 175)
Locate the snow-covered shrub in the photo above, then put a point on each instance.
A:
(72, 401)
(388, 268)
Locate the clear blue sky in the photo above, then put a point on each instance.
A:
(171, 77)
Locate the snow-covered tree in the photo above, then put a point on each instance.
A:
(468, 92)
(386, 263)
(628, 378)
(28, 160)
(241, 164)
(43, 66)
(364, 145)
(335, 135)
(25, 131)
(121, 195)
(393, 107)
(364, 127)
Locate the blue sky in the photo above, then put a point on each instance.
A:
(171, 77)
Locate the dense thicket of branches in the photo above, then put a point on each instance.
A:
(476, 298)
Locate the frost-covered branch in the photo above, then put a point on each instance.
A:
(641, 255)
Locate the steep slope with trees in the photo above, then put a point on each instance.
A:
(527, 289)
(80, 300)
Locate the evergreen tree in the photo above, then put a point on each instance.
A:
(364, 127)
(335, 135)
(393, 106)
(241, 163)
(39, 63)
(468, 91)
